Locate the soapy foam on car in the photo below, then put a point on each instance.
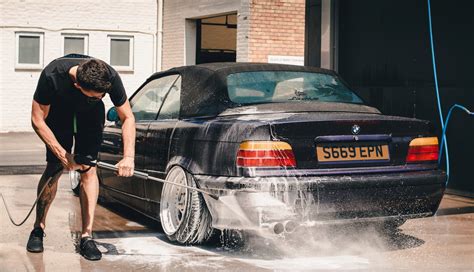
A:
(314, 247)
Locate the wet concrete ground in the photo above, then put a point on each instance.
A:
(131, 243)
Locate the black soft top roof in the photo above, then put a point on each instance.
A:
(204, 89)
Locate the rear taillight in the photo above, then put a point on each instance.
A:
(265, 154)
(423, 150)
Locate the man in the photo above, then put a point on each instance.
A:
(68, 105)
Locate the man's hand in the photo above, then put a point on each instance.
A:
(69, 163)
(126, 167)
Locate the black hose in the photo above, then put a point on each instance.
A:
(36, 201)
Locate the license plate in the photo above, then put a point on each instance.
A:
(352, 152)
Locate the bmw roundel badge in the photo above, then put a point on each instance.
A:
(355, 129)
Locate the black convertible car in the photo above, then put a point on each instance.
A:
(283, 146)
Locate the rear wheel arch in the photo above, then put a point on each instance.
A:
(184, 162)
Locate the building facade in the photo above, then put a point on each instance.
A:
(33, 33)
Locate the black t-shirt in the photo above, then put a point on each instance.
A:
(55, 86)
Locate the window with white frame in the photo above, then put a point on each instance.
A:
(29, 50)
(75, 44)
(121, 52)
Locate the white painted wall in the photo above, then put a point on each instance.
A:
(98, 19)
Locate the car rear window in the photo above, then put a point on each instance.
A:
(284, 86)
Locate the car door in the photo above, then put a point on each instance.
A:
(145, 105)
(160, 133)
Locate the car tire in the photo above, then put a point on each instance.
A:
(184, 215)
(75, 180)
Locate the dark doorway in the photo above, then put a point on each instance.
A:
(384, 53)
(216, 39)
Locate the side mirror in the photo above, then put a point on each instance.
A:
(112, 115)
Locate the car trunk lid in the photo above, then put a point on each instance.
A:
(370, 139)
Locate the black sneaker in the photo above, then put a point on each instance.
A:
(89, 250)
(35, 242)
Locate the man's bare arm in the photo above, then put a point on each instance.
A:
(38, 116)
(127, 164)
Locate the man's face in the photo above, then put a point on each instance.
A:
(93, 96)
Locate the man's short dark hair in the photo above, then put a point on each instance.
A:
(94, 75)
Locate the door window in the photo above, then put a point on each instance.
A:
(147, 102)
(171, 106)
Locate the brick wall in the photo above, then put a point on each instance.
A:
(276, 28)
(97, 19)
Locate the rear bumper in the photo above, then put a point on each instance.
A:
(250, 203)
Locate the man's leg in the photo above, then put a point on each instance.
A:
(60, 121)
(88, 195)
(48, 194)
(88, 139)
(35, 241)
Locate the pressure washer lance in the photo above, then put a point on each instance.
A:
(103, 165)
(145, 176)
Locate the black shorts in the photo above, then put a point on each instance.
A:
(81, 129)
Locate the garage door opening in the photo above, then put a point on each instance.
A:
(216, 39)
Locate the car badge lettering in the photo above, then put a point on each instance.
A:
(355, 129)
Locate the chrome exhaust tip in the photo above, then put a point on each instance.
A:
(277, 228)
(290, 226)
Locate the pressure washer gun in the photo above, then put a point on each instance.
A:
(89, 161)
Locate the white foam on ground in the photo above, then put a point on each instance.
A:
(152, 252)
(149, 252)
